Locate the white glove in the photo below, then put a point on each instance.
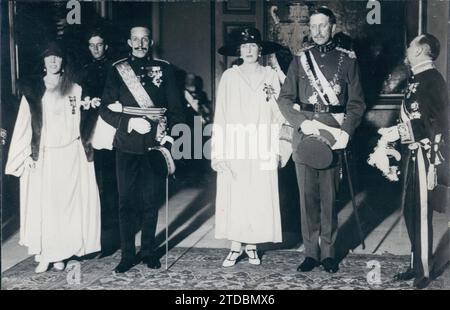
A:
(95, 102)
(140, 125)
(86, 103)
(341, 141)
(115, 107)
(309, 128)
(29, 163)
(167, 139)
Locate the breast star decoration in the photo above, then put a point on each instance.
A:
(155, 73)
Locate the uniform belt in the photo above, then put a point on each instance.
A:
(322, 108)
(144, 111)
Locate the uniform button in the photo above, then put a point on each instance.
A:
(316, 115)
(143, 83)
(142, 68)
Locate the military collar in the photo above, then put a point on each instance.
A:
(137, 59)
(423, 66)
(325, 48)
(100, 60)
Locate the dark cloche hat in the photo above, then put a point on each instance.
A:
(54, 48)
(248, 35)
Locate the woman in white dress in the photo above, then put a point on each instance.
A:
(59, 200)
(245, 149)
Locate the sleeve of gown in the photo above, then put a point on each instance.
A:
(283, 147)
(20, 147)
(219, 126)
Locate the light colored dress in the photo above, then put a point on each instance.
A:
(245, 137)
(59, 200)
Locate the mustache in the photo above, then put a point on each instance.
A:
(140, 48)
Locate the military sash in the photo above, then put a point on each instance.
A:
(319, 83)
(134, 85)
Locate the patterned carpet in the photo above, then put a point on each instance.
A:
(201, 269)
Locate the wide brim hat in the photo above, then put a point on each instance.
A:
(248, 35)
(315, 150)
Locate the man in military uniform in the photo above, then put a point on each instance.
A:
(322, 87)
(138, 83)
(94, 72)
(93, 83)
(424, 133)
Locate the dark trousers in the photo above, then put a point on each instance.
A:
(318, 190)
(415, 223)
(105, 172)
(140, 192)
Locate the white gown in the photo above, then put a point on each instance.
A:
(247, 203)
(59, 199)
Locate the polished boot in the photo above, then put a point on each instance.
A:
(330, 265)
(308, 264)
(152, 262)
(422, 283)
(124, 266)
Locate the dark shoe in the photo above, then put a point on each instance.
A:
(152, 262)
(90, 256)
(330, 265)
(422, 283)
(124, 266)
(405, 276)
(107, 252)
(308, 264)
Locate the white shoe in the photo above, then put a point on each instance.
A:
(42, 267)
(59, 266)
(252, 256)
(232, 258)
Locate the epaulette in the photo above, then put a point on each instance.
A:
(162, 60)
(351, 54)
(299, 53)
(118, 61)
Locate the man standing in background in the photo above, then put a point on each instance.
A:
(93, 82)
